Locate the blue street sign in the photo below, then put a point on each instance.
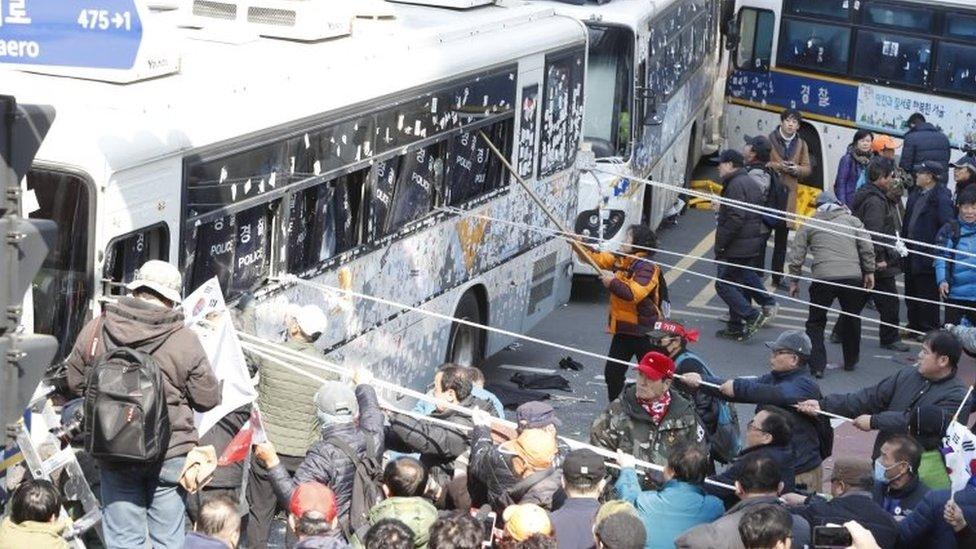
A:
(97, 34)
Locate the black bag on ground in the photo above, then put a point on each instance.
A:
(366, 489)
(126, 419)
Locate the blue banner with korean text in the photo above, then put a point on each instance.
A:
(825, 98)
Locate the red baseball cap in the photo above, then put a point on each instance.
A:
(656, 366)
(313, 496)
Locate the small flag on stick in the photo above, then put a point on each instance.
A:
(252, 432)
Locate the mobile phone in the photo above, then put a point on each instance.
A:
(830, 537)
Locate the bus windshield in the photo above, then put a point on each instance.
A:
(62, 288)
(610, 75)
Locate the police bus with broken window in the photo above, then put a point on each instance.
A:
(337, 166)
(651, 71)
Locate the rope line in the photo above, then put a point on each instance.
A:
(568, 236)
(280, 353)
(791, 216)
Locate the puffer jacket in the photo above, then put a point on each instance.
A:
(35, 535)
(963, 283)
(853, 505)
(626, 426)
(327, 464)
(835, 256)
(935, 210)
(877, 213)
(666, 513)
(190, 384)
(635, 300)
(543, 488)
(416, 512)
(740, 233)
(287, 401)
(849, 171)
(439, 446)
(925, 142)
(891, 400)
(925, 527)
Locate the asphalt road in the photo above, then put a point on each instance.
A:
(582, 324)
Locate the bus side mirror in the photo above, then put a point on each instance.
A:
(648, 99)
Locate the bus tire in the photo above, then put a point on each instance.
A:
(467, 344)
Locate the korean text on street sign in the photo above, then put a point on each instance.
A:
(98, 34)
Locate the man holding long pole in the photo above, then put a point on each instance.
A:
(886, 406)
(635, 300)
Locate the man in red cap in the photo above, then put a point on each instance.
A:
(313, 516)
(649, 419)
(718, 417)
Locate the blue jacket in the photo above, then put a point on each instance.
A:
(784, 389)
(937, 210)
(963, 283)
(925, 142)
(848, 172)
(925, 527)
(669, 512)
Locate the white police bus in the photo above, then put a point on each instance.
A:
(651, 75)
(849, 64)
(265, 157)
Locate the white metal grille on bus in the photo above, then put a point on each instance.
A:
(271, 16)
(215, 10)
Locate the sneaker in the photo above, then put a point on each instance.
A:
(850, 367)
(769, 312)
(758, 322)
(735, 334)
(818, 374)
(897, 346)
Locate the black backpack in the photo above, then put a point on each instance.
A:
(776, 197)
(126, 419)
(366, 488)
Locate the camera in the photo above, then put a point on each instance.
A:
(830, 537)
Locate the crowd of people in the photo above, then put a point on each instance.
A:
(666, 464)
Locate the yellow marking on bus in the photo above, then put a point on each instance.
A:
(813, 76)
(470, 233)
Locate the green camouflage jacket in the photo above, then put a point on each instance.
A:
(625, 426)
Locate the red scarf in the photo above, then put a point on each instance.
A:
(656, 408)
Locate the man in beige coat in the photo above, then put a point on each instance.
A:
(790, 159)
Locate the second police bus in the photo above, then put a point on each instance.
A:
(851, 64)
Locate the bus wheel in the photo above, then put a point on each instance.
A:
(466, 345)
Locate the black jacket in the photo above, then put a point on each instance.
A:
(573, 523)
(327, 464)
(890, 401)
(439, 446)
(706, 403)
(877, 213)
(936, 209)
(740, 233)
(925, 142)
(782, 455)
(854, 505)
(899, 502)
